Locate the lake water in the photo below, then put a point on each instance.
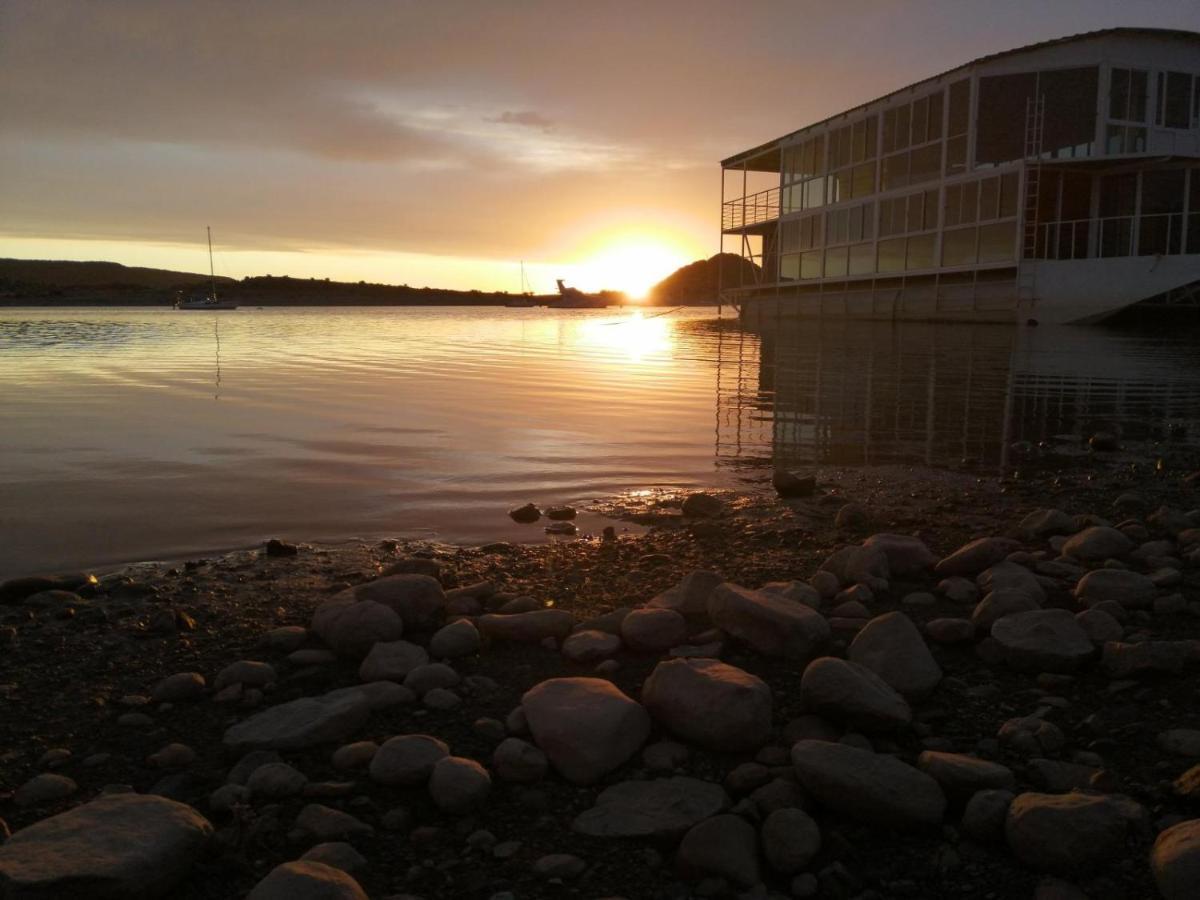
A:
(132, 434)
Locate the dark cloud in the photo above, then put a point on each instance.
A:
(524, 118)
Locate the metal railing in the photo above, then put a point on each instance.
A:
(750, 210)
(1166, 234)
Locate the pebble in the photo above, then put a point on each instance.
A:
(790, 840)
(457, 785)
(45, 788)
(519, 761)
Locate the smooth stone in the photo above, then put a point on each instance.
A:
(1180, 742)
(172, 756)
(790, 840)
(337, 854)
(276, 781)
(354, 756)
(417, 599)
(352, 628)
(1097, 543)
(998, 604)
(906, 555)
(663, 808)
(1131, 589)
(794, 591)
(519, 761)
(246, 672)
(962, 776)
(307, 880)
(457, 784)
(1122, 660)
(871, 788)
(1011, 576)
(768, 623)
(950, 631)
(1042, 523)
(407, 759)
(1175, 860)
(690, 596)
(429, 676)
(44, 788)
(701, 505)
(286, 638)
(586, 726)
(859, 565)
(1066, 833)
(116, 846)
(972, 558)
(848, 692)
(178, 687)
(561, 866)
(300, 724)
(590, 646)
(653, 630)
(324, 822)
(891, 646)
(985, 814)
(527, 627)
(392, 661)
(378, 694)
(725, 846)
(704, 701)
(1043, 640)
(455, 640)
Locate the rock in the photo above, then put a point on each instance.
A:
(961, 776)
(1104, 442)
(653, 630)
(426, 678)
(286, 638)
(1044, 640)
(415, 565)
(455, 640)
(457, 785)
(871, 788)
(337, 854)
(116, 846)
(852, 517)
(562, 866)
(1099, 626)
(906, 555)
(585, 726)
(859, 565)
(525, 515)
(892, 648)
(441, 699)
(407, 759)
(568, 529)
(378, 694)
(690, 596)
(709, 703)
(301, 723)
(985, 814)
(528, 627)
(1097, 543)
(1175, 860)
(519, 761)
(560, 513)
(276, 547)
(703, 506)
(172, 756)
(590, 646)
(792, 484)
(179, 687)
(725, 846)
(312, 656)
(1011, 576)
(1181, 742)
(354, 756)
(664, 756)
(1042, 523)
(245, 672)
(1122, 660)
(392, 661)
(1066, 833)
(16, 590)
(1031, 736)
(276, 781)
(45, 788)
(1056, 776)
(971, 559)
(663, 808)
(998, 604)
(790, 840)
(768, 623)
(826, 584)
(795, 592)
(324, 823)
(950, 631)
(352, 628)
(417, 599)
(849, 692)
(1131, 589)
(307, 880)
(1186, 785)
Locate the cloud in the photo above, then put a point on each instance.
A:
(524, 118)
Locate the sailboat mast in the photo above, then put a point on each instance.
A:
(212, 273)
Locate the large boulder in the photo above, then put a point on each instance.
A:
(1175, 860)
(116, 846)
(1042, 523)
(590, 645)
(768, 623)
(859, 565)
(1011, 576)
(302, 723)
(709, 703)
(690, 596)
(998, 604)
(868, 787)
(653, 630)
(1130, 589)
(851, 693)
(528, 627)
(585, 726)
(663, 808)
(351, 628)
(892, 648)
(906, 555)
(1068, 833)
(417, 599)
(1097, 544)
(961, 776)
(392, 661)
(971, 559)
(307, 879)
(1043, 640)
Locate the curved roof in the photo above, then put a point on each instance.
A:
(1086, 35)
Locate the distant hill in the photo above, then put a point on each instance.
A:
(65, 274)
(696, 283)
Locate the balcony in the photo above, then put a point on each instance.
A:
(1158, 234)
(739, 214)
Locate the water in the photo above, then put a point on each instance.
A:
(131, 434)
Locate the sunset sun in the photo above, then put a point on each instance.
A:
(632, 263)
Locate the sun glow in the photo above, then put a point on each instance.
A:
(632, 263)
(638, 337)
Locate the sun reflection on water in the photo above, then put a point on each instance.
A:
(639, 336)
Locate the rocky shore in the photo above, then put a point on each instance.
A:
(883, 684)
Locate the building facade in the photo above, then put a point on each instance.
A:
(1058, 182)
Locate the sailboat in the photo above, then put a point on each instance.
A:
(525, 299)
(211, 301)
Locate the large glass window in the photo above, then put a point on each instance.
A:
(1068, 123)
(1174, 100)
(1127, 95)
(891, 255)
(919, 252)
(958, 247)
(997, 242)
(862, 259)
(957, 121)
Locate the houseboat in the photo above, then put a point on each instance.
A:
(1053, 183)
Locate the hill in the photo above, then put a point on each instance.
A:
(63, 273)
(696, 283)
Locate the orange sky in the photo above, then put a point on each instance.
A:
(442, 143)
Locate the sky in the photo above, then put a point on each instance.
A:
(443, 143)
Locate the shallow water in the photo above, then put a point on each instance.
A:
(132, 434)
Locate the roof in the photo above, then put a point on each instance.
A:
(1086, 35)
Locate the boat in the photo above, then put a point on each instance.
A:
(211, 301)
(573, 298)
(525, 299)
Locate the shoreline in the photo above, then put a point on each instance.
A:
(82, 681)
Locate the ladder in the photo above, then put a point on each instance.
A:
(1035, 124)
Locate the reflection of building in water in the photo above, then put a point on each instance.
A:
(877, 393)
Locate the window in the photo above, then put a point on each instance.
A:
(862, 182)
(925, 163)
(903, 215)
(958, 247)
(1068, 125)
(836, 261)
(1127, 95)
(957, 121)
(810, 264)
(862, 259)
(1174, 100)
(894, 172)
(1125, 139)
(892, 255)
(997, 242)
(920, 252)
